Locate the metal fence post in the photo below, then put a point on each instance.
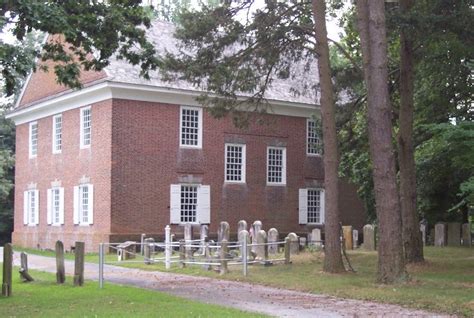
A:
(167, 247)
(101, 265)
(244, 255)
(142, 242)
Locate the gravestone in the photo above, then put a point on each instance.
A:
(244, 235)
(79, 264)
(7, 270)
(256, 226)
(454, 234)
(148, 249)
(369, 237)
(224, 232)
(466, 235)
(242, 225)
(262, 252)
(294, 243)
(60, 269)
(203, 234)
(347, 232)
(440, 234)
(423, 233)
(316, 238)
(224, 255)
(272, 239)
(188, 239)
(355, 239)
(126, 250)
(302, 242)
(26, 277)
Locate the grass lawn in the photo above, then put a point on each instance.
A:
(445, 283)
(44, 298)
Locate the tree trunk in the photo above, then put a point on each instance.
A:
(332, 248)
(391, 262)
(411, 234)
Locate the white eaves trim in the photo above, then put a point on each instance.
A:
(107, 90)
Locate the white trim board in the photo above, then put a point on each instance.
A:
(115, 90)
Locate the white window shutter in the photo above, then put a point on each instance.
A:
(323, 205)
(61, 205)
(204, 204)
(91, 204)
(76, 205)
(175, 203)
(49, 210)
(37, 207)
(25, 207)
(303, 206)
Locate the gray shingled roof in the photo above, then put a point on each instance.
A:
(161, 34)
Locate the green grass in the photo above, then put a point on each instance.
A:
(44, 298)
(445, 283)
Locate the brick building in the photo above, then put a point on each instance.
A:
(125, 156)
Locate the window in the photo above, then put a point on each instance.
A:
(56, 206)
(57, 133)
(190, 203)
(234, 163)
(311, 206)
(30, 207)
(83, 204)
(191, 127)
(33, 139)
(313, 143)
(276, 165)
(85, 127)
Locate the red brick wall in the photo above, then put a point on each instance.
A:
(147, 159)
(68, 167)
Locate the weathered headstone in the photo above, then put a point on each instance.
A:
(440, 234)
(262, 251)
(188, 239)
(369, 237)
(423, 233)
(242, 225)
(256, 226)
(224, 232)
(316, 238)
(24, 268)
(272, 239)
(294, 243)
(148, 249)
(204, 233)
(224, 255)
(302, 241)
(454, 234)
(355, 239)
(244, 235)
(79, 263)
(287, 250)
(7, 270)
(466, 235)
(126, 250)
(347, 232)
(182, 254)
(60, 269)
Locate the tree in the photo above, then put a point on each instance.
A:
(234, 56)
(333, 259)
(412, 243)
(371, 21)
(93, 31)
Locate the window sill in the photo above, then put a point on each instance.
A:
(314, 155)
(31, 224)
(83, 224)
(189, 147)
(276, 184)
(85, 147)
(235, 182)
(56, 224)
(57, 152)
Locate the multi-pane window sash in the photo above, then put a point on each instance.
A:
(84, 204)
(313, 143)
(33, 151)
(234, 163)
(314, 206)
(32, 207)
(189, 203)
(276, 165)
(56, 205)
(190, 134)
(85, 127)
(57, 133)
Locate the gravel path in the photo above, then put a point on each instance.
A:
(271, 301)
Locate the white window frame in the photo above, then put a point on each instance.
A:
(203, 205)
(31, 209)
(317, 152)
(199, 137)
(78, 207)
(57, 137)
(243, 164)
(283, 170)
(33, 151)
(81, 128)
(51, 217)
(304, 208)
